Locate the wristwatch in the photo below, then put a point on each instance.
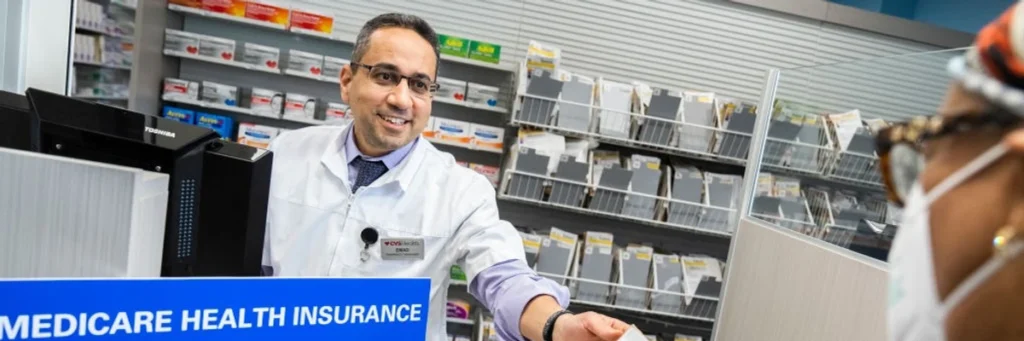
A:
(549, 327)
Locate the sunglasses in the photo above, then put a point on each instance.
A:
(900, 146)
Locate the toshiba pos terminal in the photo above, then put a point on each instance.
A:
(217, 205)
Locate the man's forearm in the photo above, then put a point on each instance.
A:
(536, 314)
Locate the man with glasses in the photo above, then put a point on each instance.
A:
(342, 196)
(955, 268)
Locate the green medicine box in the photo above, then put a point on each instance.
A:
(484, 52)
(457, 273)
(453, 46)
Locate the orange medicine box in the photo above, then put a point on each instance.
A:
(312, 21)
(267, 12)
(229, 7)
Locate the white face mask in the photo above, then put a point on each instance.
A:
(915, 312)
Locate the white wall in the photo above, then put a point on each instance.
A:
(11, 45)
(45, 52)
(716, 46)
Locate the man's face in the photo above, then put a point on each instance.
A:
(386, 118)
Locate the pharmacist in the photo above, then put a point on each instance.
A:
(341, 197)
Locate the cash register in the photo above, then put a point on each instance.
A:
(217, 206)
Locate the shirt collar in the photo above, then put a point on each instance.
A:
(391, 160)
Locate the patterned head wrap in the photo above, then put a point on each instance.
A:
(994, 66)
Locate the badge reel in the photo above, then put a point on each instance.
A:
(369, 237)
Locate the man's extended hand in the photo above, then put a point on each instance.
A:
(588, 326)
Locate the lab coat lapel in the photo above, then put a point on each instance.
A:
(334, 157)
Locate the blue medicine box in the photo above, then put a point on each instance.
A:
(223, 125)
(179, 114)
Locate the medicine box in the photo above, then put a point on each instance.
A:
(179, 114)
(180, 89)
(333, 66)
(451, 89)
(266, 102)
(487, 137)
(314, 22)
(337, 113)
(299, 106)
(223, 125)
(453, 131)
(430, 130)
(484, 95)
(490, 172)
(305, 62)
(181, 41)
(266, 57)
(267, 12)
(219, 93)
(216, 47)
(255, 135)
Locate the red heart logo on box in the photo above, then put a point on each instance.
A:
(227, 55)
(459, 96)
(192, 49)
(314, 70)
(272, 64)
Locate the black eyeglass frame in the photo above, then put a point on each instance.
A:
(432, 86)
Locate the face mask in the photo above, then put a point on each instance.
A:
(915, 312)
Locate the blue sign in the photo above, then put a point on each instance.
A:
(196, 309)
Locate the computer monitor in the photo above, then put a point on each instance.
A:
(18, 127)
(217, 203)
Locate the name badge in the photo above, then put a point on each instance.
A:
(401, 249)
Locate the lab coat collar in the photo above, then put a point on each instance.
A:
(334, 159)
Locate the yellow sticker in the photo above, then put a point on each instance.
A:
(643, 256)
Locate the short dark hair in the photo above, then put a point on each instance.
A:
(386, 20)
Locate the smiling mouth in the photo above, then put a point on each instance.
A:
(393, 120)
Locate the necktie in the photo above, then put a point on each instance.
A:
(367, 172)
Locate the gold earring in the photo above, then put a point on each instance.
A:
(1003, 238)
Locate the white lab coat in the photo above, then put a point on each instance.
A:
(314, 221)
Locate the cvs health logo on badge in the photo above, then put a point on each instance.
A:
(393, 243)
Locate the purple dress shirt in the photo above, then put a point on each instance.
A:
(505, 288)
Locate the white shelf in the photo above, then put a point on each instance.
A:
(477, 106)
(308, 75)
(98, 64)
(245, 111)
(100, 31)
(470, 147)
(460, 321)
(222, 16)
(318, 34)
(209, 105)
(233, 63)
(477, 63)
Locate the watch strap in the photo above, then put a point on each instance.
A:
(549, 326)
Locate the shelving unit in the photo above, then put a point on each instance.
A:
(102, 51)
(221, 61)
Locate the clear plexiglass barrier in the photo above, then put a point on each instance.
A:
(812, 166)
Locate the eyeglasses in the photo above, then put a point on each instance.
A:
(900, 146)
(385, 76)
